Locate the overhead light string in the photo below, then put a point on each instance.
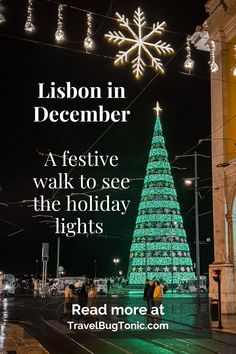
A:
(29, 26)
(189, 62)
(213, 66)
(89, 43)
(59, 34)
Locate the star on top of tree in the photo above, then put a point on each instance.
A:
(157, 108)
(139, 43)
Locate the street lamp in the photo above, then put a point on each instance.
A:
(116, 261)
(188, 181)
(58, 257)
(95, 268)
(36, 268)
(204, 140)
(195, 180)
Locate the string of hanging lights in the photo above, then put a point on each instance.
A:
(59, 34)
(2, 17)
(189, 62)
(213, 66)
(88, 41)
(234, 67)
(29, 26)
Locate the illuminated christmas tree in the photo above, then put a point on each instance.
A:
(159, 247)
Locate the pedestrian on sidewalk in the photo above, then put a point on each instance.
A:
(145, 294)
(108, 284)
(82, 299)
(68, 301)
(157, 294)
(92, 294)
(148, 294)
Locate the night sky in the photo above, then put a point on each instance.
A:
(27, 59)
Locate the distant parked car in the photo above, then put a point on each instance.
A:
(62, 283)
(190, 286)
(101, 285)
(8, 285)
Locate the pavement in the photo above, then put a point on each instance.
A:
(228, 324)
(15, 340)
(189, 330)
(201, 315)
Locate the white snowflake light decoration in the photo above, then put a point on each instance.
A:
(139, 43)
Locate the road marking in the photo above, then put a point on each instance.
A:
(115, 346)
(63, 330)
(61, 327)
(65, 335)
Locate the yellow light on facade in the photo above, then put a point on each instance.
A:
(234, 67)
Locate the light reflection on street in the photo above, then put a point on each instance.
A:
(2, 334)
(5, 309)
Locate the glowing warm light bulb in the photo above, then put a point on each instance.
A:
(214, 67)
(59, 35)
(2, 18)
(89, 43)
(234, 70)
(188, 182)
(189, 64)
(29, 27)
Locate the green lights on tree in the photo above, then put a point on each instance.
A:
(159, 249)
(160, 232)
(162, 261)
(152, 246)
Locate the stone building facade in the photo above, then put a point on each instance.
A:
(221, 27)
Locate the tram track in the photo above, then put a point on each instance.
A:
(37, 313)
